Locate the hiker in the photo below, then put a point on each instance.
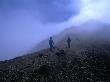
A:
(69, 42)
(51, 43)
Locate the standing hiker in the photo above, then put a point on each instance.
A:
(51, 43)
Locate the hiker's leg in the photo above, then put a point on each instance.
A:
(51, 47)
(68, 45)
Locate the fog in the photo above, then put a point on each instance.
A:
(24, 23)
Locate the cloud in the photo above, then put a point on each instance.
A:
(92, 9)
(48, 10)
(57, 10)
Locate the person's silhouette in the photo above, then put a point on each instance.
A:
(69, 42)
(51, 43)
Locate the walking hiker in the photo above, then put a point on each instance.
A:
(69, 42)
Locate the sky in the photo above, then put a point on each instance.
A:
(24, 23)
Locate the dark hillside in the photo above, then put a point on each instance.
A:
(86, 64)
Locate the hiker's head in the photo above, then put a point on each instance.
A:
(68, 37)
(50, 37)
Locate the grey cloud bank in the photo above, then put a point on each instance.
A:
(46, 10)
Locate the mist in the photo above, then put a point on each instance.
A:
(24, 23)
